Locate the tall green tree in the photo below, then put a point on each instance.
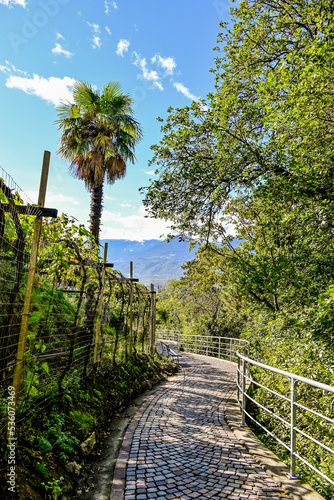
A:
(267, 124)
(261, 145)
(98, 137)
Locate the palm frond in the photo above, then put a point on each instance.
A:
(84, 95)
(99, 133)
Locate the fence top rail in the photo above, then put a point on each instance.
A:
(204, 337)
(289, 375)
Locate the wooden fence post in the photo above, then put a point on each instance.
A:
(18, 371)
(100, 306)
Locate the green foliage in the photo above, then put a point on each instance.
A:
(43, 444)
(42, 469)
(288, 345)
(52, 488)
(202, 301)
(82, 419)
(56, 439)
(249, 157)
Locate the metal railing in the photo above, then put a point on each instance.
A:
(228, 348)
(217, 347)
(244, 379)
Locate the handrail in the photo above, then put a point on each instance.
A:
(218, 347)
(308, 381)
(227, 347)
(243, 396)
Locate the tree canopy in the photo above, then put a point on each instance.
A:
(257, 153)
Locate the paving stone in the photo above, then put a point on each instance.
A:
(182, 450)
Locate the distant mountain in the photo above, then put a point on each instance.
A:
(154, 261)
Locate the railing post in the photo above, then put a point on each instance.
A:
(238, 381)
(243, 395)
(219, 355)
(207, 346)
(231, 349)
(293, 429)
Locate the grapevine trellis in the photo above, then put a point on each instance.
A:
(83, 314)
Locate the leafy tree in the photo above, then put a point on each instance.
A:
(98, 137)
(258, 153)
(268, 123)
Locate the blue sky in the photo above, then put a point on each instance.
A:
(160, 52)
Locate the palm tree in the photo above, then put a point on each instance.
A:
(98, 137)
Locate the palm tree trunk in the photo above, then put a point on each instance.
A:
(96, 212)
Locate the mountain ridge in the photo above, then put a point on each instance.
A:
(154, 261)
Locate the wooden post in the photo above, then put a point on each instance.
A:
(18, 371)
(100, 306)
(153, 298)
(131, 311)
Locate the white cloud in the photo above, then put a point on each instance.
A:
(53, 90)
(108, 30)
(61, 198)
(185, 91)
(53, 198)
(150, 172)
(132, 227)
(4, 69)
(9, 3)
(9, 68)
(230, 230)
(95, 27)
(58, 50)
(96, 30)
(108, 4)
(96, 42)
(59, 36)
(150, 76)
(122, 46)
(167, 63)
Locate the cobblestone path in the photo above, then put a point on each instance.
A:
(179, 446)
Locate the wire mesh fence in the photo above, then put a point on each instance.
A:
(78, 316)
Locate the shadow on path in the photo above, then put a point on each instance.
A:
(179, 447)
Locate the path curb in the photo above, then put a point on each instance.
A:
(297, 488)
